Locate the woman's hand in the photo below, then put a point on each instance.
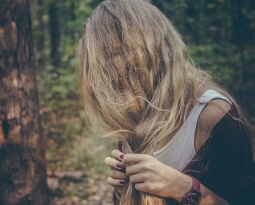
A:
(116, 177)
(151, 176)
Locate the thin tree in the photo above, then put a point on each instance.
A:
(54, 33)
(22, 161)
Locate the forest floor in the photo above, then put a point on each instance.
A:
(75, 157)
(92, 191)
(76, 171)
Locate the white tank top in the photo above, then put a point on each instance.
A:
(180, 150)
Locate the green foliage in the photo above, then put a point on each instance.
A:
(69, 144)
(221, 35)
(68, 141)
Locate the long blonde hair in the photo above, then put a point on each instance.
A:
(138, 80)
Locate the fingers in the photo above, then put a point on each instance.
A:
(136, 178)
(115, 174)
(117, 177)
(116, 182)
(113, 163)
(133, 169)
(133, 159)
(117, 154)
(141, 187)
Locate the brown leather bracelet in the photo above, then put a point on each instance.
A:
(193, 197)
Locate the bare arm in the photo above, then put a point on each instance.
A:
(210, 116)
(208, 197)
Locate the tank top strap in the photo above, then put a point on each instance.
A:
(211, 95)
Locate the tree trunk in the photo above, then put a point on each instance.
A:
(22, 161)
(40, 43)
(54, 34)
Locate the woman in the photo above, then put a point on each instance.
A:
(183, 138)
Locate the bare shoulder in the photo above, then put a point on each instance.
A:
(213, 112)
(210, 116)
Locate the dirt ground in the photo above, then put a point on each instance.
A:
(88, 192)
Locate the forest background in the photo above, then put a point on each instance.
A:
(221, 38)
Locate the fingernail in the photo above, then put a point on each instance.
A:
(119, 165)
(122, 182)
(121, 156)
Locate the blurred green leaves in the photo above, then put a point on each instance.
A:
(221, 37)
